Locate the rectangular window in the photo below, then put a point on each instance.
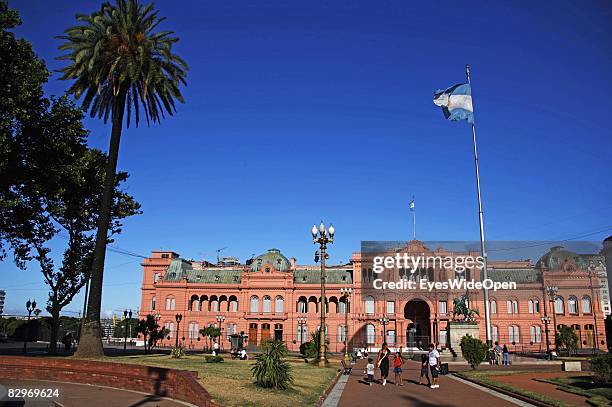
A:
(442, 307)
(390, 307)
(391, 337)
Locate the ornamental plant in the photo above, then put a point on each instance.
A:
(271, 370)
(474, 350)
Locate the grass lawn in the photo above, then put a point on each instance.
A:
(230, 383)
(599, 395)
(488, 378)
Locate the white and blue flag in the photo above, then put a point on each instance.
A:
(456, 102)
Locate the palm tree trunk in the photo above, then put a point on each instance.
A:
(90, 344)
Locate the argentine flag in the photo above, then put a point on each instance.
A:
(456, 102)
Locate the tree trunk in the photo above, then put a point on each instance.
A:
(54, 331)
(90, 344)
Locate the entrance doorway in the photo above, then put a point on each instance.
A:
(418, 332)
(253, 334)
(265, 332)
(278, 332)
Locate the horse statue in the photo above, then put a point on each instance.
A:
(460, 307)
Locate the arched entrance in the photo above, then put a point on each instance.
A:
(418, 332)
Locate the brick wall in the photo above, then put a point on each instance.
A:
(172, 383)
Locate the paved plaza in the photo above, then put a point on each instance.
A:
(452, 392)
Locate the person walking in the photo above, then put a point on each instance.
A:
(369, 371)
(383, 363)
(506, 355)
(434, 365)
(498, 354)
(424, 369)
(398, 361)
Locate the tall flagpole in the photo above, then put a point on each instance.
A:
(413, 220)
(483, 249)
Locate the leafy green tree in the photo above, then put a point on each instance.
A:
(210, 333)
(22, 218)
(119, 64)
(151, 332)
(567, 339)
(473, 350)
(270, 369)
(52, 182)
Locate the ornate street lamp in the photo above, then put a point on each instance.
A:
(30, 307)
(301, 324)
(127, 316)
(546, 320)
(384, 320)
(179, 318)
(323, 236)
(552, 295)
(346, 293)
(220, 320)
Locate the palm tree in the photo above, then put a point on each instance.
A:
(118, 61)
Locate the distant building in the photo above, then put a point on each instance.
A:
(107, 327)
(2, 298)
(273, 297)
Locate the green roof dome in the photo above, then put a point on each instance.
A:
(557, 257)
(273, 257)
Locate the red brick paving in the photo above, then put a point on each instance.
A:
(525, 381)
(451, 392)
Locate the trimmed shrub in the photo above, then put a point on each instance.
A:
(474, 350)
(177, 352)
(270, 369)
(601, 365)
(213, 359)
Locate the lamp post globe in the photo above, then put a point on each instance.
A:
(322, 239)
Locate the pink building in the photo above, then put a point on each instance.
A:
(271, 296)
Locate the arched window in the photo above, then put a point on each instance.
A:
(194, 303)
(279, 305)
(493, 307)
(170, 303)
(514, 334)
(302, 305)
(233, 304)
(302, 333)
(370, 334)
(535, 334)
(342, 306)
(171, 329)
(214, 303)
(193, 330)
(559, 308)
(512, 306)
(534, 306)
(369, 305)
(572, 304)
(266, 304)
(586, 304)
(254, 304)
(494, 333)
(153, 303)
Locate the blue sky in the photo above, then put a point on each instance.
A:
(302, 111)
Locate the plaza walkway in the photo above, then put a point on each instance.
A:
(452, 392)
(79, 395)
